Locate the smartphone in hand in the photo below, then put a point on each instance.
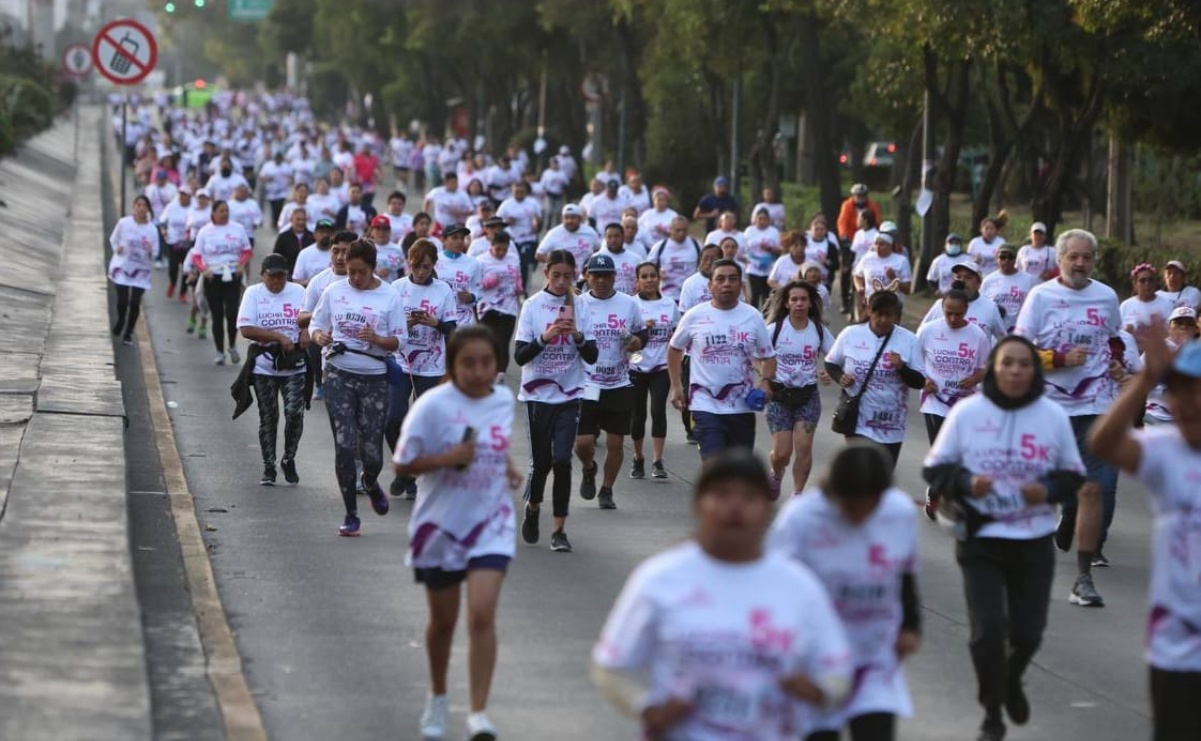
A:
(567, 313)
(468, 437)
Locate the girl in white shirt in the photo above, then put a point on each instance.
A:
(819, 243)
(648, 371)
(859, 536)
(788, 265)
(1146, 305)
(222, 250)
(500, 287)
(1166, 459)
(762, 249)
(173, 225)
(800, 338)
(134, 241)
(456, 439)
(1001, 462)
(716, 639)
(983, 248)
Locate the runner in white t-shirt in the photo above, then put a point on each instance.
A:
(716, 640)
(1037, 259)
(1176, 287)
(648, 371)
(1008, 287)
(859, 536)
(312, 295)
(134, 241)
(981, 310)
(572, 235)
(500, 291)
(880, 269)
(939, 275)
(788, 265)
(1145, 306)
(677, 257)
(269, 318)
(456, 439)
(625, 261)
(461, 271)
(762, 249)
(656, 222)
(983, 248)
(954, 356)
(1166, 460)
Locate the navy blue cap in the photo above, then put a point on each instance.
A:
(601, 264)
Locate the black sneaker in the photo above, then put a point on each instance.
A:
(268, 478)
(1084, 593)
(397, 489)
(410, 489)
(290, 474)
(605, 500)
(931, 506)
(127, 340)
(588, 483)
(559, 542)
(638, 469)
(117, 329)
(691, 439)
(1016, 704)
(529, 526)
(658, 471)
(992, 729)
(1100, 561)
(1064, 532)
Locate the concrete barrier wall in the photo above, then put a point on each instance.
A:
(72, 663)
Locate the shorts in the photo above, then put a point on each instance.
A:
(437, 579)
(613, 413)
(783, 419)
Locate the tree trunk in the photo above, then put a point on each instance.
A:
(1117, 212)
(824, 141)
(952, 108)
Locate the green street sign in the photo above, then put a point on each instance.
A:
(249, 10)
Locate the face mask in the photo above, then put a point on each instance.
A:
(954, 250)
(226, 172)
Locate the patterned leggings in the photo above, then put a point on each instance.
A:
(358, 407)
(268, 390)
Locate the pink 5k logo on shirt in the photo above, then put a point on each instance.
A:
(767, 637)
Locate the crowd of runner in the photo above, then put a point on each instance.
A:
(1036, 386)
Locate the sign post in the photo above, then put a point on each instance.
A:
(77, 63)
(124, 52)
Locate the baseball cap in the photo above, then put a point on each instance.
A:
(884, 237)
(721, 180)
(601, 264)
(1175, 264)
(858, 189)
(203, 193)
(966, 266)
(326, 224)
(494, 221)
(1188, 360)
(889, 227)
(572, 209)
(185, 189)
(381, 221)
(455, 229)
(1007, 247)
(1038, 226)
(954, 238)
(275, 264)
(1183, 312)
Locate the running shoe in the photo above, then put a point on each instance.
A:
(171, 291)
(183, 296)
(1064, 532)
(588, 483)
(117, 329)
(127, 340)
(605, 500)
(289, 468)
(691, 439)
(202, 332)
(1084, 593)
(559, 542)
(219, 360)
(319, 394)
(774, 489)
(1100, 561)
(234, 357)
(397, 489)
(410, 489)
(479, 728)
(350, 527)
(379, 502)
(433, 718)
(931, 506)
(993, 729)
(529, 526)
(1016, 704)
(658, 471)
(638, 469)
(191, 325)
(268, 478)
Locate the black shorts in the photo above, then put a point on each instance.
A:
(613, 412)
(436, 579)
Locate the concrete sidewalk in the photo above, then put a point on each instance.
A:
(72, 663)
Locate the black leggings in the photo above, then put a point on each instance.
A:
(656, 385)
(129, 305)
(223, 301)
(1174, 706)
(175, 255)
(502, 325)
(867, 727)
(551, 429)
(759, 290)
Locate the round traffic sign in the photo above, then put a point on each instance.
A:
(124, 52)
(77, 60)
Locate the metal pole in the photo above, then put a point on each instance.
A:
(542, 113)
(928, 244)
(124, 123)
(75, 116)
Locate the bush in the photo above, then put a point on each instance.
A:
(30, 97)
(1115, 259)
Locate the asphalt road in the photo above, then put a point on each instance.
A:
(331, 629)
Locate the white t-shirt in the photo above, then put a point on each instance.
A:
(175, 218)
(553, 182)
(940, 270)
(676, 263)
(401, 225)
(982, 312)
(581, 244)
(775, 211)
(695, 292)
(1035, 262)
(627, 264)
(722, 636)
(1014, 448)
(717, 235)
(276, 312)
(1059, 318)
(861, 567)
(605, 210)
(460, 515)
(761, 248)
(798, 350)
(556, 374)
(391, 259)
(640, 201)
(1171, 472)
(344, 311)
(462, 273)
(949, 356)
(884, 408)
(1008, 292)
(874, 271)
(657, 223)
(222, 246)
(138, 243)
(277, 179)
(222, 187)
(450, 207)
(160, 196)
(985, 253)
(500, 283)
(1137, 313)
(1157, 404)
(784, 270)
(863, 243)
(247, 213)
(1188, 296)
(320, 207)
(422, 350)
(611, 321)
(285, 216)
(722, 345)
(317, 286)
(198, 218)
(310, 261)
(665, 315)
(520, 217)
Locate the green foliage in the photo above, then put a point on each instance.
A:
(31, 95)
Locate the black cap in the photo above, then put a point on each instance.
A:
(455, 229)
(274, 263)
(493, 222)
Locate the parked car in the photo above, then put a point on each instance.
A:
(880, 154)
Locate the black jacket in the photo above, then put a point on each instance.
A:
(289, 244)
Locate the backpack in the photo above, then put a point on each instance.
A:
(657, 250)
(779, 327)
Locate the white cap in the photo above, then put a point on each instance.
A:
(572, 209)
(1038, 226)
(889, 226)
(884, 237)
(203, 193)
(564, 149)
(966, 265)
(1176, 264)
(1182, 312)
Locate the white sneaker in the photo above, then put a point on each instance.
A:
(219, 360)
(479, 728)
(433, 718)
(234, 357)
